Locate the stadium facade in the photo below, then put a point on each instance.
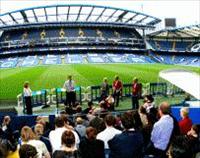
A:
(65, 34)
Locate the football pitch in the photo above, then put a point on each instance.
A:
(52, 76)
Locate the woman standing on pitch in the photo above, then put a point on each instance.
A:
(104, 89)
(27, 97)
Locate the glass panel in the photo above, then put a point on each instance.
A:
(51, 11)
(39, 12)
(63, 10)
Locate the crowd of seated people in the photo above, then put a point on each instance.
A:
(144, 133)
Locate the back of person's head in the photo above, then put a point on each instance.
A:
(90, 103)
(181, 147)
(59, 122)
(27, 134)
(184, 111)
(128, 121)
(109, 120)
(39, 129)
(79, 109)
(165, 108)
(27, 151)
(68, 138)
(6, 120)
(196, 128)
(150, 98)
(91, 133)
(79, 120)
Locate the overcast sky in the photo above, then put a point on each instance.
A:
(187, 12)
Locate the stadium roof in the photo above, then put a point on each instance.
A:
(187, 31)
(184, 79)
(77, 13)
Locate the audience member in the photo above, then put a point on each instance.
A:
(68, 148)
(28, 151)
(109, 132)
(89, 109)
(90, 147)
(61, 125)
(148, 103)
(180, 148)
(186, 123)
(28, 137)
(39, 131)
(128, 144)
(162, 132)
(80, 128)
(98, 124)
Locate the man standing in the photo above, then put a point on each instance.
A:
(162, 131)
(117, 89)
(69, 85)
(128, 144)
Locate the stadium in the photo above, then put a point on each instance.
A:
(46, 44)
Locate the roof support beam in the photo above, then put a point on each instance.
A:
(79, 12)
(68, 13)
(3, 22)
(45, 12)
(139, 21)
(111, 15)
(136, 14)
(56, 13)
(13, 18)
(36, 19)
(24, 16)
(100, 15)
(120, 17)
(90, 14)
(186, 33)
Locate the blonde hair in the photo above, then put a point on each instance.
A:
(185, 111)
(27, 134)
(105, 79)
(79, 120)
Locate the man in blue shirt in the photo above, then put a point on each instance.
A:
(162, 131)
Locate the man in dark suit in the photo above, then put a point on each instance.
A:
(129, 143)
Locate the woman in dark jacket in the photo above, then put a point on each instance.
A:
(90, 147)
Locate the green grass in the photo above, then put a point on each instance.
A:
(46, 77)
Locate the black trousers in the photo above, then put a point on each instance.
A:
(116, 96)
(28, 103)
(135, 102)
(70, 98)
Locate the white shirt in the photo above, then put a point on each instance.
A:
(107, 135)
(69, 85)
(55, 138)
(27, 92)
(40, 147)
